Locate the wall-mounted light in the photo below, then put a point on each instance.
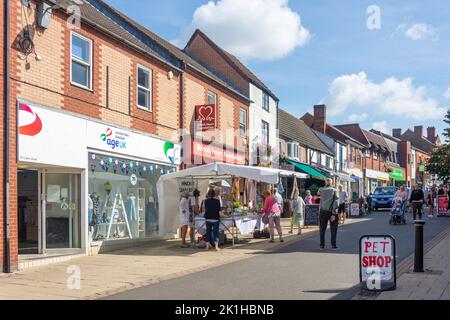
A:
(170, 75)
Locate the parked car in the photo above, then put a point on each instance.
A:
(382, 198)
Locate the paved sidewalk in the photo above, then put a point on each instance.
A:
(123, 270)
(434, 284)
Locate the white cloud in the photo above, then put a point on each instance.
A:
(390, 97)
(420, 31)
(447, 93)
(251, 29)
(381, 126)
(356, 117)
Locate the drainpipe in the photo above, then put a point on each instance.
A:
(183, 67)
(6, 90)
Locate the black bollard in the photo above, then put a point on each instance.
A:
(418, 256)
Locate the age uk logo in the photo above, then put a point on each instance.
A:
(112, 143)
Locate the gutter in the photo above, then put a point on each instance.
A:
(6, 135)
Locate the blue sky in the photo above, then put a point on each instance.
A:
(389, 78)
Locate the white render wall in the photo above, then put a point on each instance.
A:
(256, 116)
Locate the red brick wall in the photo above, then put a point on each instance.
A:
(198, 96)
(47, 82)
(204, 52)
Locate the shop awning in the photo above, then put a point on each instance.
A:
(344, 177)
(308, 170)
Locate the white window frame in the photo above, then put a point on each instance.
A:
(264, 95)
(295, 150)
(215, 97)
(367, 153)
(376, 154)
(243, 135)
(266, 141)
(149, 90)
(78, 60)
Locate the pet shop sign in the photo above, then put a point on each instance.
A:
(377, 260)
(205, 117)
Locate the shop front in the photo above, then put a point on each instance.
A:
(197, 151)
(356, 186)
(374, 179)
(82, 182)
(397, 177)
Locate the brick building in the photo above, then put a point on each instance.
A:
(98, 108)
(348, 164)
(415, 151)
(262, 130)
(374, 158)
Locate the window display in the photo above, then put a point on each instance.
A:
(122, 202)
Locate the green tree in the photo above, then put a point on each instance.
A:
(439, 162)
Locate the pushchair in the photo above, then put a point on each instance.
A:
(398, 212)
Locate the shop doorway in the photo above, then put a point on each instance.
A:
(49, 204)
(28, 211)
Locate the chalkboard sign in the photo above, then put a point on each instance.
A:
(312, 215)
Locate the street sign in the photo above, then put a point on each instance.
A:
(377, 263)
(442, 202)
(354, 210)
(312, 215)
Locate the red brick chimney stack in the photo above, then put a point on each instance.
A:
(320, 118)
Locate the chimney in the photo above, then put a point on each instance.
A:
(431, 134)
(320, 118)
(397, 133)
(418, 131)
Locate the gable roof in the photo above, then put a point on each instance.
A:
(296, 130)
(421, 143)
(356, 132)
(234, 62)
(333, 132)
(376, 140)
(113, 22)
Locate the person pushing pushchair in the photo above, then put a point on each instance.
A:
(399, 205)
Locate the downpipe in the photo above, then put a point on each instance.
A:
(6, 136)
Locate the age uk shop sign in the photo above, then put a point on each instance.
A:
(377, 260)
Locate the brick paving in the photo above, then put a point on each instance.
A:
(434, 284)
(119, 271)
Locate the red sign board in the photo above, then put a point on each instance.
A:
(211, 153)
(205, 117)
(442, 202)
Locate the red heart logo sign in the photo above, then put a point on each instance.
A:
(205, 113)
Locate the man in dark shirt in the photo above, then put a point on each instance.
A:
(417, 200)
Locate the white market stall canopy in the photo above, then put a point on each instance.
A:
(168, 187)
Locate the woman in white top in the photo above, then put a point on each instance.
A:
(343, 198)
(184, 218)
(298, 216)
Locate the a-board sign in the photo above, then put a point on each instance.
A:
(354, 210)
(442, 202)
(187, 185)
(377, 263)
(312, 215)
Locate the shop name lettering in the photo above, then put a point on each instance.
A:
(376, 255)
(118, 142)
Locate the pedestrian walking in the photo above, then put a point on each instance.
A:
(298, 215)
(417, 201)
(184, 218)
(328, 213)
(431, 199)
(272, 210)
(343, 199)
(212, 217)
(309, 200)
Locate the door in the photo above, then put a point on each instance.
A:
(61, 210)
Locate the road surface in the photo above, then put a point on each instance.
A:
(297, 271)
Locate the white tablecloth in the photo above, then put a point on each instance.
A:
(245, 224)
